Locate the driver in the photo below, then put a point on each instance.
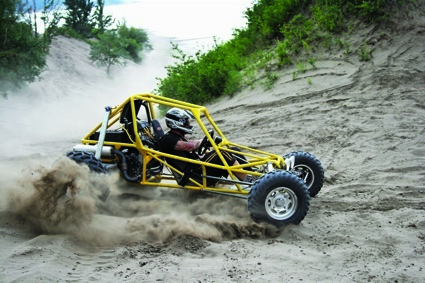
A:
(174, 142)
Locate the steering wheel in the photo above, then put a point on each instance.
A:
(205, 143)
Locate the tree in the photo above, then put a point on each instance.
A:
(22, 51)
(78, 16)
(108, 50)
(114, 45)
(101, 21)
(50, 16)
(136, 41)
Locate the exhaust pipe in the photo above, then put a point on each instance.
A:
(123, 167)
(109, 151)
(106, 150)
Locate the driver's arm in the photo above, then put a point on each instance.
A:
(187, 145)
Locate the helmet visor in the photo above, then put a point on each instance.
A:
(187, 125)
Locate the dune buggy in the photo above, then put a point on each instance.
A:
(279, 188)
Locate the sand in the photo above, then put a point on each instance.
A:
(364, 121)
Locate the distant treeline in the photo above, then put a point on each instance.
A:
(277, 31)
(24, 44)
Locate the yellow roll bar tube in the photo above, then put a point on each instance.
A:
(254, 157)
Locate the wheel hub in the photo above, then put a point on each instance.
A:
(305, 173)
(281, 203)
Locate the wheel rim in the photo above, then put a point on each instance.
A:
(305, 173)
(281, 203)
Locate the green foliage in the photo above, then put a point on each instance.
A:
(292, 27)
(69, 33)
(325, 39)
(108, 50)
(365, 54)
(101, 21)
(328, 14)
(297, 34)
(298, 37)
(301, 67)
(51, 18)
(262, 57)
(249, 77)
(283, 53)
(204, 76)
(271, 79)
(81, 22)
(78, 16)
(341, 43)
(113, 46)
(135, 41)
(372, 10)
(266, 17)
(22, 51)
(312, 62)
(347, 51)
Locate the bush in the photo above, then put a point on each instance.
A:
(267, 17)
(329, 16)
(202, 77)
(135, 41)
(108, 50)
(296, 26)
(115, 45)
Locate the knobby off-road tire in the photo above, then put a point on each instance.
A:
(309, 169)
(95, 165)
(279, 198)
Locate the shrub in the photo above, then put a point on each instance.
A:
(267, 17)
(297, 33)
(296, 25)
(108, 50)
(283, 54)
(135, 41)
(204, 76)
(365, 54)
(113, 46)
(328, 14)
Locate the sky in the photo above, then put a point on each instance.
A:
(187, 22)
(183, 19)
(179, 18)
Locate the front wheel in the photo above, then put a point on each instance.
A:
(279, 198)
(95, 166)
(309, 169)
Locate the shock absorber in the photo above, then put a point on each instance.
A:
(290, 163)
(102, 133)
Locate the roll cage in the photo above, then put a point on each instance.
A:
(121, 131)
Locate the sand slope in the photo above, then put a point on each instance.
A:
(365, 121)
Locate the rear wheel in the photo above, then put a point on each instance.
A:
(309, 169)
(279, 198)
(95, 165)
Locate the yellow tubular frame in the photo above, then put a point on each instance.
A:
(255, 157)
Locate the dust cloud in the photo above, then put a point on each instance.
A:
(63, 199)
(57, 196)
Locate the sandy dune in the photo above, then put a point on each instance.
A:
(365, 121)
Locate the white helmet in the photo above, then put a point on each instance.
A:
(179, 119)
